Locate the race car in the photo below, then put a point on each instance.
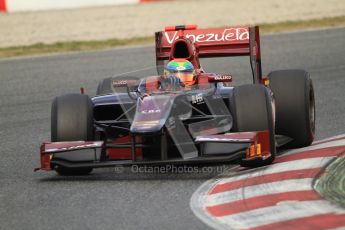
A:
(182, 114)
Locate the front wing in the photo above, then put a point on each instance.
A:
(213, 148)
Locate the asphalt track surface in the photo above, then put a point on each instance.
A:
(110, 200)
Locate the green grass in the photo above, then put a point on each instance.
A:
(332, 184)
(302, 25)
(58, 47)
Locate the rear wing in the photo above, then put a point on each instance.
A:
(216, 42)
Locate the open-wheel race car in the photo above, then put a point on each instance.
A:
(182, 114)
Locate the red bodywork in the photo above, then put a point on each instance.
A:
(124, 153)
(216, 42)
(49, 148)
(259, 142)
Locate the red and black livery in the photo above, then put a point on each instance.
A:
(132, 120)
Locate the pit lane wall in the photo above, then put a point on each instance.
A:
(37, 5)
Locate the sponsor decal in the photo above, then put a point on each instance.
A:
(197, 99)
(230, 34)
(119, 83)
(221, 139)
(181, 68)
(93, 145)
(150, 111)
(223, 78)
(146, 124)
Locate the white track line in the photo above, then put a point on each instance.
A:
(329, 139)
(317, 146)
(340, 228)
(258, 190)
(281, 167)
(283, 211)
(280, 212)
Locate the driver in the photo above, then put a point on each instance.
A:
(178, 73)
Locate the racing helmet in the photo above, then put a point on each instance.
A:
(182, 69)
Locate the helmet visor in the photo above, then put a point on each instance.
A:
(186, 76)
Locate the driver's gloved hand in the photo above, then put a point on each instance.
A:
(172, 83)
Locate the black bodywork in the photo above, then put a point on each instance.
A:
(178, 117)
